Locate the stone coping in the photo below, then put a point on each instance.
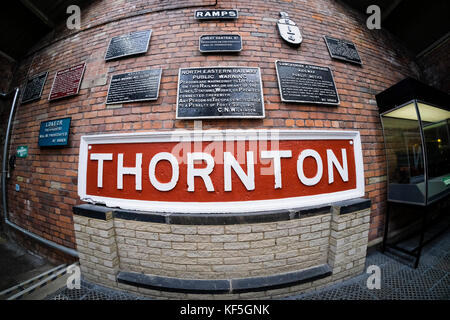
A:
(223, 286)
(106, 213)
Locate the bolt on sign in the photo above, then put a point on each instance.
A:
(220, 171)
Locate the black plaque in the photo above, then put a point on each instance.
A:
(218, 14)
(342, 50)
(220, 43)
(306, 83)
(220, 92)
(134, 86)
(128, 44)
(34, 87)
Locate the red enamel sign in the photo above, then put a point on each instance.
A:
(67, 82)
(220, 171)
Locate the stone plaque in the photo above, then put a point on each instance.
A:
(34, 87)
(220, 92)
(54, 132)
(67, 82)
(134, 86)
(216, 14)
(128, 44)
(306, 83)
(220, 43)
(342, 50)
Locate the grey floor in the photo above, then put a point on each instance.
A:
(399, 281)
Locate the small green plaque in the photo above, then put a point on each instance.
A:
(22, 151)
(446, 180)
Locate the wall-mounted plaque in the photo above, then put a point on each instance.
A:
(216, 14)
(34, 87)
(54, 133)
(220, 92)
(288, 30)
(342, 50)
(134, 86)
(220, 43)
(306, 83)
(128, 44)
(22, 151)
(67, 82)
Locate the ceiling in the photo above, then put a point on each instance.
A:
(418, 24)
(25, 22)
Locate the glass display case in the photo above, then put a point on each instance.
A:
(417, 140)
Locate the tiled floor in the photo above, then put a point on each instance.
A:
(430, 281)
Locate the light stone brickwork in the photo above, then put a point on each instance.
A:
(223, 251)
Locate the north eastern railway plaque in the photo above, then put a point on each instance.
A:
(128, 44)
(134, 86)
(306, 83)
(342, 50)
(220, 92)
(34, 87)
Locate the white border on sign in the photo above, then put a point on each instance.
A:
(79, 83)
(222, 117)
(127, 101)
(221, 135)
(128, 54)
(216, 18)
(300, 101)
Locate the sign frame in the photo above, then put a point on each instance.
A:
(55, 145)
(215, 51)
(221, 135)
(128, 54)
(42, 88)
(222, 117)
(217, 18)
(300, 101)
(79, 83)
(136, 100)
(342, 58)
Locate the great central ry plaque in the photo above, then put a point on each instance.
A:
(134, 86)
(34, 87)
(306, 83)
(220, 43)
(128, 44)
(67, 82)
(220, 92)
(342, 50)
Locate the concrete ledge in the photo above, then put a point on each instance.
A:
(105, 213)
(227, 286)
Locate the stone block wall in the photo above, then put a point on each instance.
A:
(253, 258)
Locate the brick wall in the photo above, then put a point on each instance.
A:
(48, 177)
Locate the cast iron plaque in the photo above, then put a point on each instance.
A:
(216, 14)
(220, 92)
(306, 83)
(67, 82)
(54, 132)
(342, 50)
(128, 44)
(134, 86)
(220, 43)
(34, 87)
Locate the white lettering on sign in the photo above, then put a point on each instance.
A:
(100, 157)
(220, 171)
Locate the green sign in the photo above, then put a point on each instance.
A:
(446, 180)
(22, 151)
